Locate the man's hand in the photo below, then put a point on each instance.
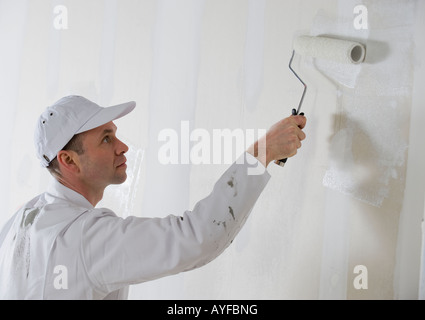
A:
(281, 141)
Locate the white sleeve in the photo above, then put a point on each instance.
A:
(118, 252)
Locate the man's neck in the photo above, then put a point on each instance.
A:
(86, 191)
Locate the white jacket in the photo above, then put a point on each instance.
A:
(58, 246)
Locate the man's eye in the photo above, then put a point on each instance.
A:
(106, 139)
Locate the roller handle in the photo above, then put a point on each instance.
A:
(282, 162)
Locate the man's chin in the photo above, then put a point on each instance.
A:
(121, 179)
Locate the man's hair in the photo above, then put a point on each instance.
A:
(76, 145)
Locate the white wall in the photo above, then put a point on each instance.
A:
(407, 266)
(224, 64)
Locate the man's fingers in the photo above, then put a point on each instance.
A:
(300, 121)
(282, 140)
(301, 135)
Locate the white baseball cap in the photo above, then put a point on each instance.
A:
(67, 117)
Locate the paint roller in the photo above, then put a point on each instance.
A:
(321, 47)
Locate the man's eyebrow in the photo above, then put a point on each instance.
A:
(106, 131)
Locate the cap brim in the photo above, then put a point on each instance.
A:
(106, 115)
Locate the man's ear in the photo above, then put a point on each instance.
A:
(69, 161)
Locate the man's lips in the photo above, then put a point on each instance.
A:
(123, 164)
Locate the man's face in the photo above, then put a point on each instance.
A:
(103, 161)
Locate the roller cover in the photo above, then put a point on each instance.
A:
(337, 50)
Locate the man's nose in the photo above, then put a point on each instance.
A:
(122, 147)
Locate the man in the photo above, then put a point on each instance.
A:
(60, 246)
